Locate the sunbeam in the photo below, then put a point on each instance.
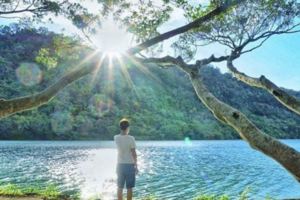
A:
(99, 64)
(126, 75)
(142, 68)
(87, 58)
(110, 73)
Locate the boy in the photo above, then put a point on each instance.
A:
(127, 160)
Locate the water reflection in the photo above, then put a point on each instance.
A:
(98, 173)
(168, 170)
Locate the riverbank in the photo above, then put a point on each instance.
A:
(15, 192)
(21, 198)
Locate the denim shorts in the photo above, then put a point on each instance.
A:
(126, 175)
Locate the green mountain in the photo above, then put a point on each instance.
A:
(160, 103)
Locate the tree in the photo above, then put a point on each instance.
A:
(37, 10)
(249, 22)
(252, 22)
(8, 107)
(230, 23)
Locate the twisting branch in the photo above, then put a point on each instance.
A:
(8, 107)
(17, 5)
(168, 61)
(283, 97)
(211, 59)
(264, 37)
(221, 9)
(31, 8)
(287, 156)
(179, 61)
(255, 47)
(28, 9)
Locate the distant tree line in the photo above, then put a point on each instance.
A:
(161, 105)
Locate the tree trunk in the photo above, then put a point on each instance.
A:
(288, 157)
(283, 97)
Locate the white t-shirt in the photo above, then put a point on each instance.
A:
(124, 145)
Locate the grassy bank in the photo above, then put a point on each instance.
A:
(14, 192)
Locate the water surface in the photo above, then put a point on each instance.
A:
(168, 169)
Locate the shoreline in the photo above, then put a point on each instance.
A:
(20, 198)
(146, 198)
(138, 140)
(15, 192)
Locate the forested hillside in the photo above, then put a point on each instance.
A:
(160, 103)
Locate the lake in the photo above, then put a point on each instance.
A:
(169, 170)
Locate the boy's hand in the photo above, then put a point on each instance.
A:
(136, 170)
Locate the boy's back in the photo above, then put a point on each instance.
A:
(127, 160)
(124, 145)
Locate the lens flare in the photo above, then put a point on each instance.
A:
(187, 141)
(100, 104)
(29, 74)
(61, 122)
(85, 126)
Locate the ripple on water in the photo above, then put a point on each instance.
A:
(171, 170)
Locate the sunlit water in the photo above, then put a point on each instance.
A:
(168, 170)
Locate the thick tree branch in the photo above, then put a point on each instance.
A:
(285, 155)
(222, 8)
(8, 107)
(283, 97)
(211, 59)
(11, 106)
(168, 61)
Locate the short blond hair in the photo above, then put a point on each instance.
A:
(124, 124)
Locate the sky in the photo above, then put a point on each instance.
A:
(278, 59)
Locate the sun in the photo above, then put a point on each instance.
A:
(112, 54)
(111, 39)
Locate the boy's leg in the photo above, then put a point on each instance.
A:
(130, 181)
(129, 193)
(120, 181)
(120, 193)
